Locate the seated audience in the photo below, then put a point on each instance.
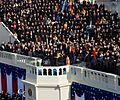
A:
(54, 32)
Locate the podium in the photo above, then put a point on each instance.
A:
(49, 86)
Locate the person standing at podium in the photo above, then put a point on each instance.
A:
(67, 60)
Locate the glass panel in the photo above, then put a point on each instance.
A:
(44, 72)
(54, 72)
(106, 78)
(49, 72)
(85, 73)
(74, 71)
(35, 71)
(64, 70)
(118, 81)
(60, 71)
(39, 71)
(32, 70)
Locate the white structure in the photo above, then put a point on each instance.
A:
(47, 83)
(53, 83)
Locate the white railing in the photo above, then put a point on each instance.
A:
(73, 73)
(17, 58)
(47, 75)
(50, 70)
(95, 78)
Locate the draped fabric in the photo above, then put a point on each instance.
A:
(14, 85)
(11, 78)
(73, 97)
(14, 81)
(77, 93)
(20, 83)
(83, 92)
(8, 70)
(9, 84)
(3, 79)
(0, 82)
(4, 83)
(79, 98)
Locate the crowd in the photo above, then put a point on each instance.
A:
(58, 32)
(7, 96)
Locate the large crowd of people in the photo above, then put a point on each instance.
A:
(57, 31)
(7, 96)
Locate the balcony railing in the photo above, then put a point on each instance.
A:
(74, 73)
(17, 58)
(95, 78)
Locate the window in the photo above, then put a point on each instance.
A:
(49, 72)
(118, 81)
(44, 72)
(32, 70)
(92, 73)
(38, 63)
(106, 78)
(74, 71)
(103, 77)
(35, 71)
(60, 71)
(88, 74)
(85, 73)
(54, 72)
(64, 70)
(39, 71)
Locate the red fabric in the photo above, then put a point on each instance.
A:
(4, 83)
(73, 97)
(73, 49)
(70, 6)
(94, 54)
(14, 26)
(14, 85)
(57, 6)
(41, 19)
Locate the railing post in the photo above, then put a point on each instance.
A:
(15, 58)
(115, 81)
(82, 73)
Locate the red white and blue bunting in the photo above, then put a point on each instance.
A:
(84, 92)
(11, 78)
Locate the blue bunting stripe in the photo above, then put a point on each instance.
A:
(16, 71)
(92, 93)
